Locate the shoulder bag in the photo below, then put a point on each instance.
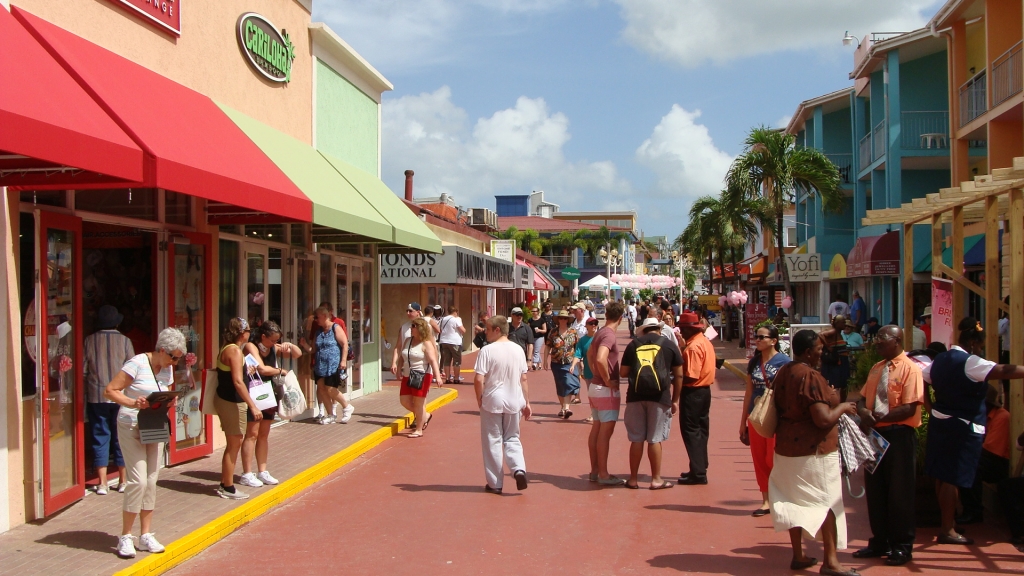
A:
(415, 376)
(765, 417)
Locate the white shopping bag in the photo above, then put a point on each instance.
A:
(293, 401)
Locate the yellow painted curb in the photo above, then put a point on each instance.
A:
(739, 373)
(203, 537)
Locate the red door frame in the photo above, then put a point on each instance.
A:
(57, 221)
(176, 456)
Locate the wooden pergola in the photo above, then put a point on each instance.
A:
(991, 199)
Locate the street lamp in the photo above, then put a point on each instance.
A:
(678, 259)
(609, 259)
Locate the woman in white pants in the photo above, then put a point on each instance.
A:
(141, 376)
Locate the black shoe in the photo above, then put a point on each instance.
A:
(487, 488)
(870, 552)
(693, 480)
(898, 558)
(521, 482)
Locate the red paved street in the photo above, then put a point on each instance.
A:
(417, 506)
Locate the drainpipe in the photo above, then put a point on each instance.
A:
(408, 185)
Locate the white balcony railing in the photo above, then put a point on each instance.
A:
(878, 141)
(865, 151)
(973, 99)
(1006, 75)
(922, 130)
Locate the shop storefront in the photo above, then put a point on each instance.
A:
(873, 267)
(181, 212)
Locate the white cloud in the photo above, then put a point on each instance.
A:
(694, 32)
(683, 155)
(395, 34)
(514, 150)
(784, 121)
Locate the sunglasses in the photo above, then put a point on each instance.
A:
(762, 337)
(176, 359)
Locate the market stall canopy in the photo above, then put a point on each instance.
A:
(875, 256)
(51, 130)
(600, 282)
(972, 255)
(191, 146)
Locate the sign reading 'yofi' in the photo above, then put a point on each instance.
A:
(270, 52)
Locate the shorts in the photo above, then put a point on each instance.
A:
(648, 421)
(451, 354)
(233, 416)
(566, 383)
(404, 389)
(333, 380)
(604, 403)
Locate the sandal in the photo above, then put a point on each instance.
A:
(802, 564)
(561, 413)
(568, 414)
(632, 486)
(592, 477)
(756, 513)
(427, 423)
(665, 484)
(415, 435)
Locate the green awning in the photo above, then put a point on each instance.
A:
(336, 203)
(410, 231)
(925, 264)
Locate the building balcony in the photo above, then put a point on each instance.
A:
(1006, 75)
(865, 151)
(844, 163)
(924, 130)
(878, 141)
(560, 261)
(973, 98)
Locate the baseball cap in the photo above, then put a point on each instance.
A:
(414, 306)
(579, 306)
(591, 321)
(517, 310)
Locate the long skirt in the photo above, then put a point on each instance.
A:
(802, 490)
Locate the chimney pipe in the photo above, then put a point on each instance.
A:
(408, 185)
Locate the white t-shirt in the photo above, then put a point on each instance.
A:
(631, 312)
(1004, 334)
(143, 384)
(450, 330)
(502, 364)
(580, 326)
(838, 309)
(976, 368)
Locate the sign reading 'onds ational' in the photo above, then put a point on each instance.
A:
(455, 265)
(269, 51)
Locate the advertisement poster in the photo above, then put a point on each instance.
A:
(754, 315)
(942, 311)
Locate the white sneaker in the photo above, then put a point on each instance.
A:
(266, 478)
(101, 489)
(121, 487)
(327, 420)
(126, 546)
(236, 495)
(346, 414)
(148, 542)
(250, 479)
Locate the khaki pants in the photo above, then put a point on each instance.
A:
(142, 464)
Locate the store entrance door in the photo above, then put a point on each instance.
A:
(59, 369)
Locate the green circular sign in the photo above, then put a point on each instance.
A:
(570, 273)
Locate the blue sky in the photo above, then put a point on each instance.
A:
(603, 104)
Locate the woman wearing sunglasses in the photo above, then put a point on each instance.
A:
(761, 371)
(138, 378)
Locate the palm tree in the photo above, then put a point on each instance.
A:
(772, 167)
(529, 240)
(702, 234)
(567, 240)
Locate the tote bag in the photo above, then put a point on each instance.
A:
(293, 401)
(765, 417)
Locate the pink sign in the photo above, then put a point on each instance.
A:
(164, 14)
(942, 311)
(754, 315)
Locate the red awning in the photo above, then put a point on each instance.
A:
(875, 256)
(191, 146)
(51, 130)
(539, 282)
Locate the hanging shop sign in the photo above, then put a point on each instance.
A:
(570, 273)
(524, 277)
(455, 265)
(268, 51)
(804, 267)
(164, 14)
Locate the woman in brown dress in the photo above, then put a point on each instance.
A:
(805, 486)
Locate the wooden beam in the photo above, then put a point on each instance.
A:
(908, 287)
(993, 279)
(918, 215)
(1016, 239)
(963, 283)
(957, 240)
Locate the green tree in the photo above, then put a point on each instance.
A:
(528, 239)
(772, 167)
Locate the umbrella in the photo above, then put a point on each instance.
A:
(855, 450)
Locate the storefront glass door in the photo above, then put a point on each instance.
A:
(255, 283)
(59, 303)
(188, 274)
(301, 323)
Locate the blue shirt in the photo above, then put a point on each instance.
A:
(857, 312)
(757, 376)
(582, 347)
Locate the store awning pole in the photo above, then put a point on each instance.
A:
(908, 286)
(1016, 399)
(992, 277)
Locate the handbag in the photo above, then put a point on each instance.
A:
(765, 417)
(415, 376)
(210, 392)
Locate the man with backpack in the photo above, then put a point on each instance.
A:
(654, 367)
(695, 400)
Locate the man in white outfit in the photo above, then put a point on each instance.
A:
(502, 395)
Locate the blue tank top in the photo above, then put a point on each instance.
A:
(328, 353)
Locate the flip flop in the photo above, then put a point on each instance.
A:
(427, 423)
(592, 477)
(663, 486)
(415, 435)
(611, 481)
(802, 565)
(761, 512)
(632, 486)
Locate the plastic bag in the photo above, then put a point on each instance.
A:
(293, 402)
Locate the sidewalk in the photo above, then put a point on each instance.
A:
(81, 539)
(418, 507)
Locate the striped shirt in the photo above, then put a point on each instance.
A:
(105, 352)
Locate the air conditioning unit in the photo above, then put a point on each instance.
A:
(483, 217)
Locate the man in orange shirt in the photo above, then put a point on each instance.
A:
(695, 403)
(891, 404)
(994, 466)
